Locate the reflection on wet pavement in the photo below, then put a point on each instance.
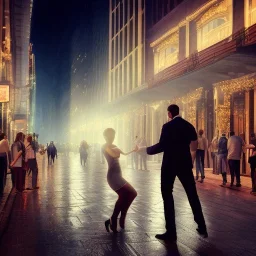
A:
(66, 216)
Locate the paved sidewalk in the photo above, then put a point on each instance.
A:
(66, 216)
(7, 190)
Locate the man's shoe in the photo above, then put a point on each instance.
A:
(231, 185)
(167, 237)
(202, 232)
(197, 177)
(238, 185)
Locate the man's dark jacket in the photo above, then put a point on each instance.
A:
(175, 142)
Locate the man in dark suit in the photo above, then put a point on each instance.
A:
(177, 138)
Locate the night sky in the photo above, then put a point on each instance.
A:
(53, 25)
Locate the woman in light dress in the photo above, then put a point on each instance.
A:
(126, 193)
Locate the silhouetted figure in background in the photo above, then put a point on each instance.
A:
(252, 162)
(52, 152)
(235, 149)
(83, 150)
(178, 137)
(143, 155)
(200, 153)
(135, 155)
(4, 160)
(222, 157)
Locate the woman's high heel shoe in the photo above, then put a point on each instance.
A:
(109, 226)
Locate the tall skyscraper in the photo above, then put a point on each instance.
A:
(126, 47)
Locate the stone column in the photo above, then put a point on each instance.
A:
(192, 37)
(182, 43)
(238, 15)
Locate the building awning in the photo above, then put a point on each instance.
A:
(233, 66)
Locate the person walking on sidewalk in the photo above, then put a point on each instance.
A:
(4, 160)
(200, 153)
(30, 159)
(214, 154)
(252, 162)
(178, 137)
(143, 155)
(222, 157)
(135, 155)
(126, 193)
(52, 152)
(235, 149)
(18, 153)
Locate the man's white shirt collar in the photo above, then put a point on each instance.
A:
(176, 116)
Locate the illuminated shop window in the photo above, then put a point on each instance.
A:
(166, 54)
(250, 12)
(215, 25)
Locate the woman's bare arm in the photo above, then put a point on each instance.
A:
(126, 154)
(112, 152)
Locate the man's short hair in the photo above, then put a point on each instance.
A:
(174, 110)
(232, 133)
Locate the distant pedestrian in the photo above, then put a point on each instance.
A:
(31, 161)
(252, 162)
(235, 149)
(4, 160)
(214, 154)
(222, 157)
(143, 154)
(52, 152)
(126, 193)
(83, 150)
(135, 155)
(18, 153)
(200, 153)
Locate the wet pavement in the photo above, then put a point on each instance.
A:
(66, 216)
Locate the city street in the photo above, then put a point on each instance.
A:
(66, 216)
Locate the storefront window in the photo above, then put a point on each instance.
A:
(213, 32)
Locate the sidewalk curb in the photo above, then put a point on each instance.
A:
(5, 214)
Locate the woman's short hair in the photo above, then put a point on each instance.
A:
(108, 132)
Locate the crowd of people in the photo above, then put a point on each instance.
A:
(226, 156)
(20, 158)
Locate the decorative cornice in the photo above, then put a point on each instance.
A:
(236, 85)
(171, 40)
(218, 8)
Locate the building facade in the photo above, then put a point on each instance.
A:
(126, 47)
(15, 20)
(32, 92)
(6, 74)
(203, 54)
(199, 55)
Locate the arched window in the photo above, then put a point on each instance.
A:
(213, 32)
(213, 25)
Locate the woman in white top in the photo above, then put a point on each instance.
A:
(4, 160)
(30, 159)
(18, 152)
